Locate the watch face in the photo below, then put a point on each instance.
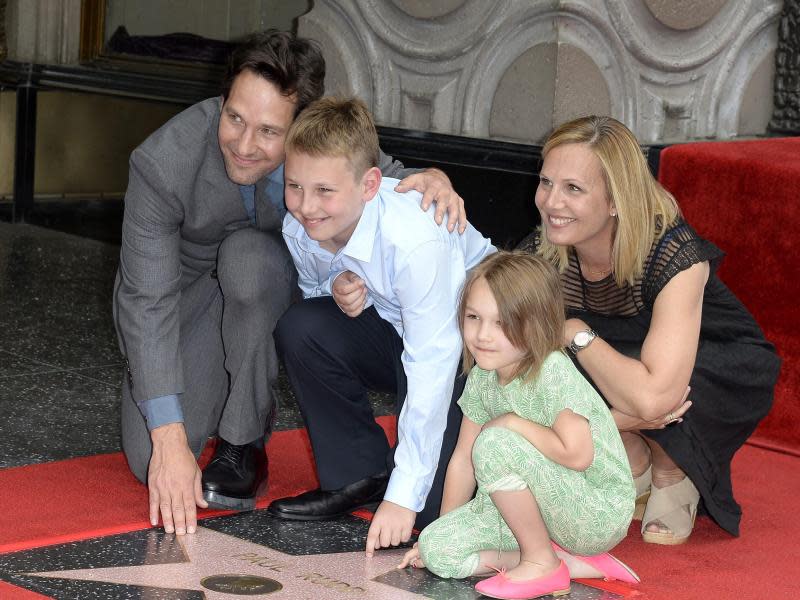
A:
(582, 338)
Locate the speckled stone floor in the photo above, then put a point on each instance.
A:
(60, 374)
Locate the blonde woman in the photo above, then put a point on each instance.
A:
(651, 325)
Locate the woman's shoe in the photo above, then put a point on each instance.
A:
(643, 484)
(611, 568)
(675, 507)
(500, 586)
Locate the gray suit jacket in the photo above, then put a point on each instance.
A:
(179, 206)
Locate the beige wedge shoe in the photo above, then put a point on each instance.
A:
(675, 507)
(642, 483)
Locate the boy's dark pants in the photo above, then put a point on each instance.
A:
(332, 361)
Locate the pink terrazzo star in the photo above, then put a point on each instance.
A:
(209, 553)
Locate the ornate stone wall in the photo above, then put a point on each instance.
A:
(44, 31)
(512, 69)
(786, 116)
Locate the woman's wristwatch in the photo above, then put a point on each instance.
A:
(581, 340)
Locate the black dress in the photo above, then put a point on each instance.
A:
(734, 374)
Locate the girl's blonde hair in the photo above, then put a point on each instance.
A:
(530, 305)
(644, 208)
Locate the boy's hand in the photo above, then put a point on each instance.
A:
(435, 186)
(412, 559)
(391, 525)
(350, 293)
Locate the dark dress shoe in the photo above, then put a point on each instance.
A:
(319, 505)
(235, 476)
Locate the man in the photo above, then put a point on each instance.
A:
(204, 275)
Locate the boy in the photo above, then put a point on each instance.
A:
(343, 218)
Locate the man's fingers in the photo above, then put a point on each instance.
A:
(198, 491)
(462, 215)
(441, 206)
(153, 508)
(166, 516)
(191, 514)
(179, 517)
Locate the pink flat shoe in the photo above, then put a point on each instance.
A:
(611, 568)
(500, 586)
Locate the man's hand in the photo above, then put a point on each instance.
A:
(350, 293)
(174, 480)
(435, 186)
(391, 525)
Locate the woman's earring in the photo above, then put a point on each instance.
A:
(614, 213)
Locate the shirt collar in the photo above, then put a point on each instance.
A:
(362, 241)
(276, 176)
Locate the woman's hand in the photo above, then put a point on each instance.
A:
(628, 423)
(412, 559)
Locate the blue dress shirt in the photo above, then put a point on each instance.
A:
(413, 270)
(167, 409)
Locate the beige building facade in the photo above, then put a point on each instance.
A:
(672, 70)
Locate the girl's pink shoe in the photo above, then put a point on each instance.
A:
(499, 586)
(611, 568)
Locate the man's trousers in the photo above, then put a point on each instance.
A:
(227, 317)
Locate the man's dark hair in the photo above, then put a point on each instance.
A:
(295, 65)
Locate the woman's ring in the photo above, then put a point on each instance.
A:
(670, 417)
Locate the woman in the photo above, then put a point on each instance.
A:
(649, 322)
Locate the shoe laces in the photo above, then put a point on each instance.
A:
(229, 452)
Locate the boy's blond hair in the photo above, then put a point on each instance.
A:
(644, 208)
(530, 305)
(334, 127)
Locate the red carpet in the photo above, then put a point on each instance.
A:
(93, 496)
(742, 195)
(87, 497)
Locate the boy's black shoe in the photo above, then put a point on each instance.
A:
(319, 505)
(236, 475)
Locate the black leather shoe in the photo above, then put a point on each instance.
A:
(235, 476)
(319, 505)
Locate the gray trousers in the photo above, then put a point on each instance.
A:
(227, 317)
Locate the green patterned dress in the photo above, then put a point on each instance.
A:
(586, 512)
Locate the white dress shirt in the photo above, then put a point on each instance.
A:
(413, 270)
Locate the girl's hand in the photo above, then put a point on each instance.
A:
(412, 559)
(506, 421)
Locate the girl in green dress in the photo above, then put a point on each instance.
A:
(536, 440)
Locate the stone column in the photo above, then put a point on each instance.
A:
(43, 31)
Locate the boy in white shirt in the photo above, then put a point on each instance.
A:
(343, 218)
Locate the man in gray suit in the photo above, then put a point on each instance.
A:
(204, 276)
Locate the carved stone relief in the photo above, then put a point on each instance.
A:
(44, 31)
(512, 69)
(786, 115)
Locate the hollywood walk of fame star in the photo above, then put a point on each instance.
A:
(208, 553)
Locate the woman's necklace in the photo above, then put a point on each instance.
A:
(601, 272)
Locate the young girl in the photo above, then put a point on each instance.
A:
(537, 441)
